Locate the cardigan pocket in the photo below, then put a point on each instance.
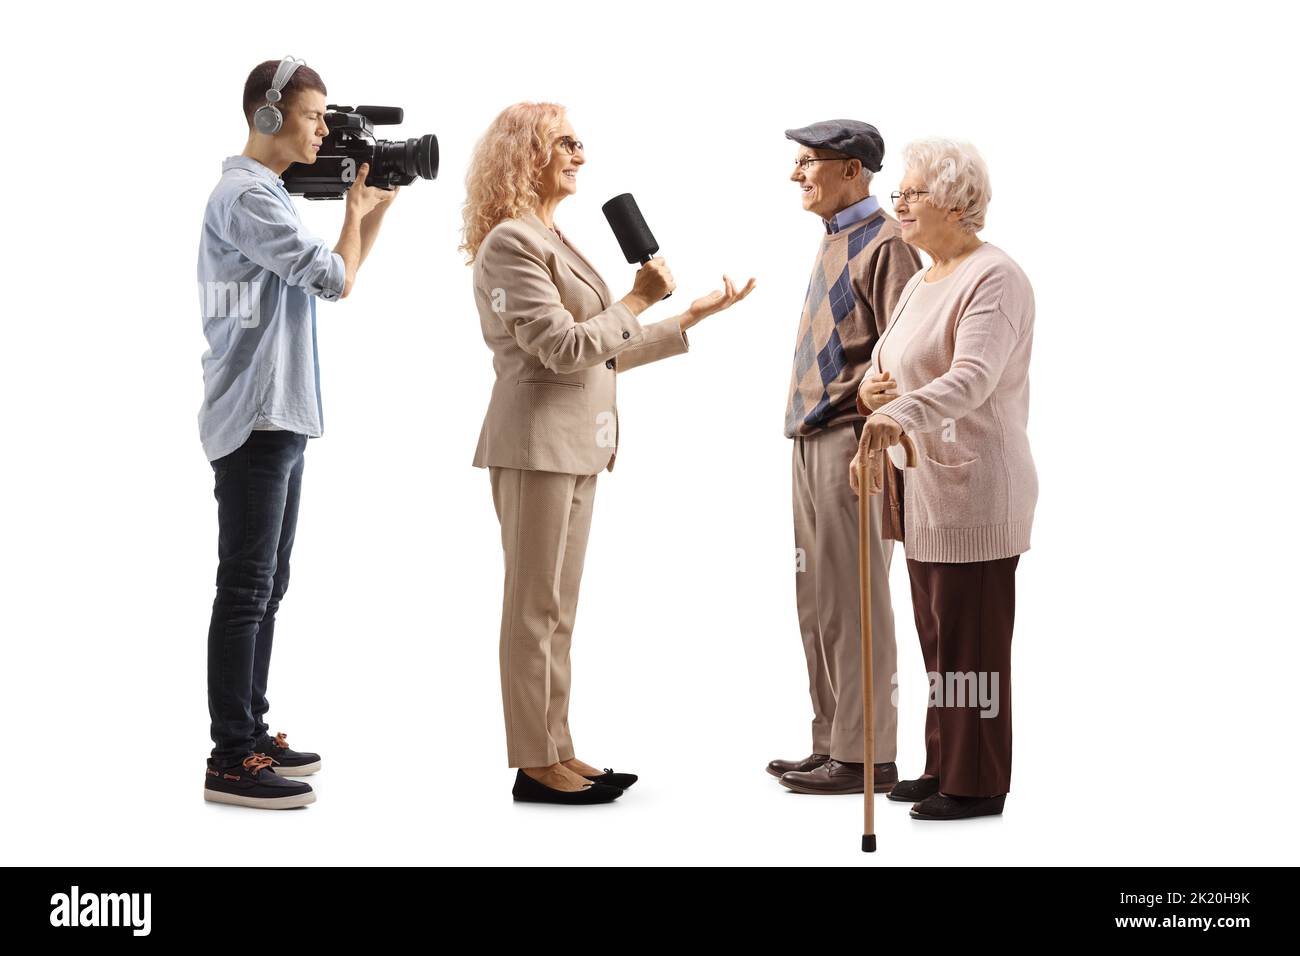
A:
(948, 493)
(949, 464)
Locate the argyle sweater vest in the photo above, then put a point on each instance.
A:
(856, 282)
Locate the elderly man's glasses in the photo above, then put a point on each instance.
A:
(804, 162)
(569, 144)
(911, 195)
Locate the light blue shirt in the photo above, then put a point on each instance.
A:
(259, 272)
(849, 215)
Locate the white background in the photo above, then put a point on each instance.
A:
(1144, 165)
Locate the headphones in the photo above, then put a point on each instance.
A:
(268, 118)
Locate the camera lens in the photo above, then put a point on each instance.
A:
(424, 155)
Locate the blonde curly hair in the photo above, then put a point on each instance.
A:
(505, 171)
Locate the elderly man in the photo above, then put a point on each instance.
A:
(861, 268)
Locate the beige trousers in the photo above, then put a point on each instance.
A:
(545, 518)
(826, 589)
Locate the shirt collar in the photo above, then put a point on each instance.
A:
(253, 166)
(846, 217)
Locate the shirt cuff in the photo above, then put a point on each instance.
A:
(332, 285)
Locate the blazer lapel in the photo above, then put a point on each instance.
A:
(576, 260)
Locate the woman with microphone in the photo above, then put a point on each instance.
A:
(558, 339)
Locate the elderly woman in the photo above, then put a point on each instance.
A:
(952, 371)
(558, 340)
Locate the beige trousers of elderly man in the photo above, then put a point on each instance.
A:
(826, 591)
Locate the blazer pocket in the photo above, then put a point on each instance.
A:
(549, 383)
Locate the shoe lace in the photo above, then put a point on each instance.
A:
(282, 741)
(256, 763)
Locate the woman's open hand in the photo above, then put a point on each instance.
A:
(715, 301)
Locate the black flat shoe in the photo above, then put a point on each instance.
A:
(611, 779)
(528, 790)
(910, 791)
(941, 806)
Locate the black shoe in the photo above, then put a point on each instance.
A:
(528, 790)
(779, 768)
(252, 783)
(288, 763)
(910, 791)
(941, 806)
(611, 779)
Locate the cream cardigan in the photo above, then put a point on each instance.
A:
(959, 349)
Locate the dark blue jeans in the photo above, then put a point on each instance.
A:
(257, 489)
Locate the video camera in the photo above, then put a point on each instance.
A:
(351, 141)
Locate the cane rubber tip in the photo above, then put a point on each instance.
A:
(869, 843)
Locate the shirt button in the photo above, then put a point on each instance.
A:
(609, 363)
(627, 334)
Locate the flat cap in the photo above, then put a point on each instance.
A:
(859, 140)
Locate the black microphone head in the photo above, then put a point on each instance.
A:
(634, 236)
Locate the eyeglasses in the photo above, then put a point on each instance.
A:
(911, 195)
(569, 145)
(806, 161)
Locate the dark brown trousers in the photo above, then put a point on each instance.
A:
(964, 614)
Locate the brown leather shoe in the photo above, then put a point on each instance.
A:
(836, 777)
(779, 768)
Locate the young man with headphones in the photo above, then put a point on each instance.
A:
(260, 274)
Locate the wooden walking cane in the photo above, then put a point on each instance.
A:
(864, 600)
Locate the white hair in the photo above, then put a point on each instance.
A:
(955, 175)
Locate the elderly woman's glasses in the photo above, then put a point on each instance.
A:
(911, 195)
(804, 162)
(569, 144)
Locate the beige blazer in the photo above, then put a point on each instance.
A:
(558, 341)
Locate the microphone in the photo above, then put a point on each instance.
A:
(382, 115)
(633, 235)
